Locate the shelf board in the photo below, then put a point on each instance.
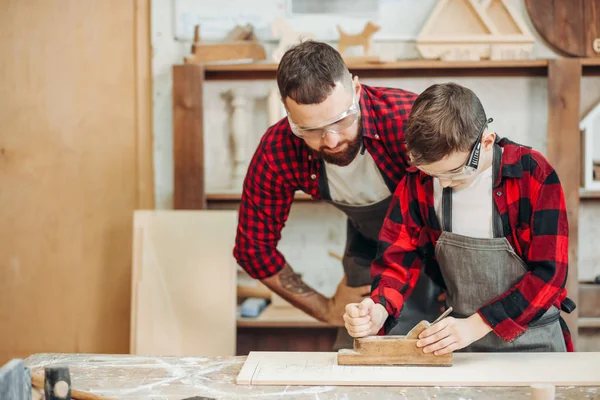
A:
(589, 322)
(589, 194)
(590, 66)
(281, 317)
(235, 197)
(417, 67)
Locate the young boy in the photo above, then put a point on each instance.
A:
(487, 218)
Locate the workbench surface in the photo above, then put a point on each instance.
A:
(139, 377)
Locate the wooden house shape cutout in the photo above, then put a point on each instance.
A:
(471, 30)
(590, 129)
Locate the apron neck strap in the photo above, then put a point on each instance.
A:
(447, 209)
(447, 198)
(497, 220)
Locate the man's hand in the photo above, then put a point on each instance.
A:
(344, 295)
(452, 334)
(365, 318)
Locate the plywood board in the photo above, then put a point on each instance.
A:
(469, 369)
(75, 161)
(184, 283)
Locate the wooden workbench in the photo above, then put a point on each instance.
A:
(138, 377)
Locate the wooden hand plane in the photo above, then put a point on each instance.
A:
(394, 349)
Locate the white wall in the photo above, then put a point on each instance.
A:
(518, 106)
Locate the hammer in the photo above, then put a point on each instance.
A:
(57, 385)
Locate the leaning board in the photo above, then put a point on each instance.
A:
(183, 299)
(469, 369)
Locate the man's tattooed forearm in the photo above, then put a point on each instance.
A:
(292, 282)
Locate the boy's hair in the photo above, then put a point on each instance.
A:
(308, 72)
(445, 118)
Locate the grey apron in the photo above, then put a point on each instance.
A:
(362, 235)
(478, 270)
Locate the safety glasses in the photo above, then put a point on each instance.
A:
(343, 121)
(471, 166)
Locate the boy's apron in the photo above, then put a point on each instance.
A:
(477, 271)
(362, 235)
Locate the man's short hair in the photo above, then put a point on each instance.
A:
(309, 71)
(444, 119)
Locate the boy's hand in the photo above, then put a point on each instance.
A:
(365, 318)
(452, 334)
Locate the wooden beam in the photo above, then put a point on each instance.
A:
(564, 153)
(188, 141)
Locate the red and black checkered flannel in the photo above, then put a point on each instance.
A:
(283, 164)
(531, 203)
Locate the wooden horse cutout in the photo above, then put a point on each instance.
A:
(287, 37)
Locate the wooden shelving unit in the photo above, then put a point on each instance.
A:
(564, 139)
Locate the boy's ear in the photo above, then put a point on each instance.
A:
(488, 140)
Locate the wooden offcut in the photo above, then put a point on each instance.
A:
(390, 350)
(244, 49)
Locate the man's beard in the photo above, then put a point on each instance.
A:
(345, 157)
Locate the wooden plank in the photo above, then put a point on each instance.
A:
(68, 173)
(218, 52)
(405, 64)
(188, 140)
(184, 283)
(405, 68)
(564, 146)
(469, 369)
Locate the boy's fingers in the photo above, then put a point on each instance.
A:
(365, 305)
(352, 310)
(435, 328)
(357, 321)
(356, 333)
